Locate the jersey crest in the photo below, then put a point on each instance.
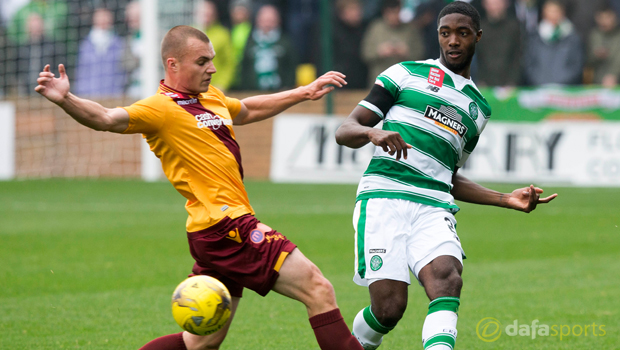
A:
(473, 110)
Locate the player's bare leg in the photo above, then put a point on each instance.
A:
(301, 280)
(388, 302)
(211, 341)
(442, 282)
(188, 341)
(388, 299)
(442, 277)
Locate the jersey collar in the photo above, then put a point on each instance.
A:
(459, 80)
(168, 91)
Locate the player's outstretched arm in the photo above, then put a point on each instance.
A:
(523, 199)
(358, 129)
(85, 112)
(257, 108)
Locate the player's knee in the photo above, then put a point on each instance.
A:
(451, 281)
(448, 275)
(322, 288)
(446, 269)
(389, 312)
(448, 285)
(320, 291)
(455, 282)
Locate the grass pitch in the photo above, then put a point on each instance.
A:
(92, 264)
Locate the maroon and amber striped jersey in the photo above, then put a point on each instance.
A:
(192, 135)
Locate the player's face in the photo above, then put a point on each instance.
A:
(196, 67)
(457, 39)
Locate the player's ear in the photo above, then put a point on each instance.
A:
(172, 64)
(478, 35)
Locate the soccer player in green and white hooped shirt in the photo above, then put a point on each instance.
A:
(404, 219)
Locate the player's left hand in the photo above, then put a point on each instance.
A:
(324, 84)
(526, 199)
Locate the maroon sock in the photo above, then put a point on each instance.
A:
(167, 342)
(332, 333)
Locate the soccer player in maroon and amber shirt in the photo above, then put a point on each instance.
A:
(188, 125)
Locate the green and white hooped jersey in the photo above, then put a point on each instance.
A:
(439, 113)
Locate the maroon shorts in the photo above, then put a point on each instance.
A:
(240, 252)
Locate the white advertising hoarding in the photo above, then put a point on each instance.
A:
(7, 140)
(559, 153)
(571, 153)
(304, 149)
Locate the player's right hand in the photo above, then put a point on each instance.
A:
(54, 89)
(390, 141)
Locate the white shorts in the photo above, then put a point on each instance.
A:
(394, 236)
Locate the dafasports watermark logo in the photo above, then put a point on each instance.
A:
(489, 329)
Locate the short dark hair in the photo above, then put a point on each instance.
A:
(175, 41)
(390, 4)
(558, 3)
(341, 4)
(605, 7)
(462, 8)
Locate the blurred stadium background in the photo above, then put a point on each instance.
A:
(90, 251)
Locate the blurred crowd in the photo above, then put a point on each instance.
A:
(276, 44)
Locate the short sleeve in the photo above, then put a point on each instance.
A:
(233, 105)
(146, 116)
(379, 101)
(391, 79)
(385, 91)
